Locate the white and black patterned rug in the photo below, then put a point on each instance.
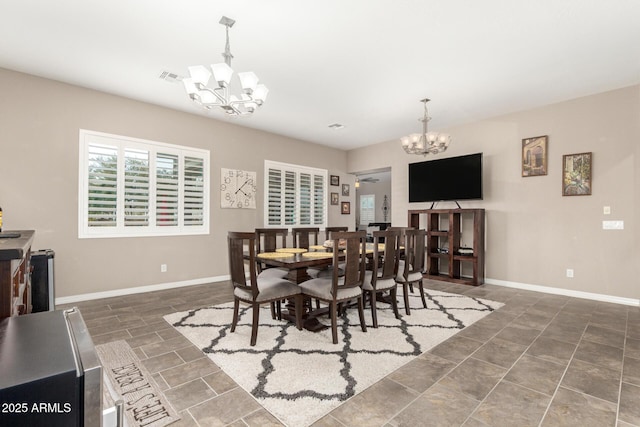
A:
(299, 376)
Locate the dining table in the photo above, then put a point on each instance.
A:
(297, 261)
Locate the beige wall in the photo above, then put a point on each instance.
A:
(534, 233)
(39, 123)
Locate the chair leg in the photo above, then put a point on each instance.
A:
(394, 302)
(374, 315)
(236, 307)
(405, 287)
(254, 326)
(273, 310)
(361, 313)
(299, 300)
(279, 310)
(424, 302)
(333, 309)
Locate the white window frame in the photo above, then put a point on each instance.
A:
(298, 170)
(89, 138)
(371, 211)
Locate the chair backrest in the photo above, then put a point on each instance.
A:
(267, 239)
(302, 236)
(402, 231)
(237, 242)
(329, 230)
(355, 246)
(385, 261)
(414, 251)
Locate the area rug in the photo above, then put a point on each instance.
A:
(300, 376)
(144, 403)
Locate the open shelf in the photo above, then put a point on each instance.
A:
(449, 266)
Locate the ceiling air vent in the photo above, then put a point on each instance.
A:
(170, 77)
(336, 126)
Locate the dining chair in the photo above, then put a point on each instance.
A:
(382, 276)
(338, 289)
(268, 240)
(402, 231)
(259, 290)
(304, 237)
(413, 266)
(329, 230)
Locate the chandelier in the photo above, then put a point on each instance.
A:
(252, 96)
(427, 142)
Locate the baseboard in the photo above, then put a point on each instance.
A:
(139, 289)
(202, 281)
(565, 292)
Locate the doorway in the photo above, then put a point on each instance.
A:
(373, 199)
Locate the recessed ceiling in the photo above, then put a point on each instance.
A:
(361, 63)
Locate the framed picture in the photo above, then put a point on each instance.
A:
(335, 180)
(334, 198)
(576, 174)
(345, 208)
(345, 189)
(534, 156)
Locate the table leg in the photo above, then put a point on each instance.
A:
(309, 315)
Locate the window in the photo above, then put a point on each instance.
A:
(294, 195)
(132, 187)
(367, 208)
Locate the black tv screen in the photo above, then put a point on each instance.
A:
(453, 178)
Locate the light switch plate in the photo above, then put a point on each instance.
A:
(613, 225)
(606, 210)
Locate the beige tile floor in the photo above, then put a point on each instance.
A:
(541, 360)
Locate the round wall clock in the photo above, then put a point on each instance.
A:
(237, 189)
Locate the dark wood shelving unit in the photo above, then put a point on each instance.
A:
(444, 230)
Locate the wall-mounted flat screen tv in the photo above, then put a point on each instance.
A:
(453, 178)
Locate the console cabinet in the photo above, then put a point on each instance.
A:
(15, 273)
(446, 257)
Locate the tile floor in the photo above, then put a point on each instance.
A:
(541, 360)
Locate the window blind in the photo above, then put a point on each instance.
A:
(295, 195)
(131, 187)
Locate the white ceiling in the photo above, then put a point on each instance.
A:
(362, 63)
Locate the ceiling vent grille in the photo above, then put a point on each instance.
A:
(170, 77)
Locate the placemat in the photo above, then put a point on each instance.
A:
(292, 250)
(317, 255)
(268, 255)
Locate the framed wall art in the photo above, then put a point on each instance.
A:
(576, 174)
(335, 180)
(534, 156)
(345, 190)
(334, 198)
(345, 208)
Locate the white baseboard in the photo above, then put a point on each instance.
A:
(139, 289)
(565, 292)
(202, 281)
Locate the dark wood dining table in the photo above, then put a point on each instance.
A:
(297, 266)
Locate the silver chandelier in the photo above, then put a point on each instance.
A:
(427, 142)
(252, 96)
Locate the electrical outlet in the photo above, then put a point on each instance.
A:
(163, 268)
(570, 272)
(606, 210)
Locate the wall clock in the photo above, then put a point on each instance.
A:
(237, 189)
